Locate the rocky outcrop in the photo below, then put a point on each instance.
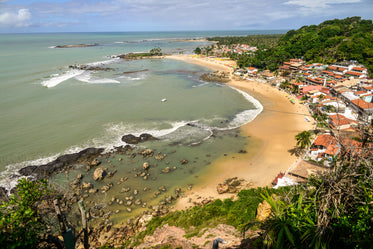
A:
(77, 45)
(231, 185)
(90, 68)
(218, 76)
(61, 163)
(99, 174)
(132, 139)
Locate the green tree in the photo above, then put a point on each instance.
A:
(21, 224)
(304, 139)
(156, 51)
(197, 50)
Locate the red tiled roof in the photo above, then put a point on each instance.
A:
(332, 68)
(287, 63)
(339, 119)
(306, 74)
(360, 92)
(358, 69)
(353, 73)
(285, 67)
(341, 69)
(329, 142)
(362, 104)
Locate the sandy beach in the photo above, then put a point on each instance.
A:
(271, 136)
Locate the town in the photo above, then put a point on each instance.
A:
(339, 97)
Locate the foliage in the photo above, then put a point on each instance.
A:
(260, 41)
(239, 213)
(21, 224)
(156, 52)
(334, 210)
(303, 139)
(331, 41)
(197, 50)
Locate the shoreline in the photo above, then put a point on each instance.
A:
(271, 136)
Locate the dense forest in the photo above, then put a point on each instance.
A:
(259, 41)
(331, 41)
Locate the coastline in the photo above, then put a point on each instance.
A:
(271, 136)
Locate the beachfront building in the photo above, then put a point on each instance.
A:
(325, 147)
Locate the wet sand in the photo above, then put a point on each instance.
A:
(270, 137)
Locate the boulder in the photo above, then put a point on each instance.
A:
(132, 139)
(87, 185)
(145, 166)
(222, 188)
(99, 174)
(264, 211)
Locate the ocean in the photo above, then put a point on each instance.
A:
(48, 109)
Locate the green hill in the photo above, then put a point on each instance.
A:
(328, 42)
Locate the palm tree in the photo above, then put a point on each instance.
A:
(303, 139)
(320, 119)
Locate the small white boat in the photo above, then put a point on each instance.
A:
(307, 119)
(164, 100)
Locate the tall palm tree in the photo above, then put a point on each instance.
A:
(303, 139)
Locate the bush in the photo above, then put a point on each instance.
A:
(21, 224)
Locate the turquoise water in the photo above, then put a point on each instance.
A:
(47, 109)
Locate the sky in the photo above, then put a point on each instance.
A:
(28, 16)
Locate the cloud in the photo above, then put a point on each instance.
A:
(17, 20)
(315, 4)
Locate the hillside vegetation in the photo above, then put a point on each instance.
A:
(331, 41)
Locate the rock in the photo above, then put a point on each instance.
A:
(105, 188)
(138, 202)
(166, 170)
(159, 156)
(123, 179)
(63, 162)
(99, 174)
(263, 211)
(131, 139)
(125, 190)
(129, 210)
(145, 166)
(3, 195)
(129, 203)
(92, 191)
(162, 188)
(94, 162)
(87, 185)
(222, 188)
(184, 161)
(135, 192)
(79, 177)
(147, 153)
(119, 159)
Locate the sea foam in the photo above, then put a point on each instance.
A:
(86, 77)
(54, 81)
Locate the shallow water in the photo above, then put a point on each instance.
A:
(48, 109)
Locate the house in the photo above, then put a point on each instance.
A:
(340, 122)
(325, 146)
(362, 107)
